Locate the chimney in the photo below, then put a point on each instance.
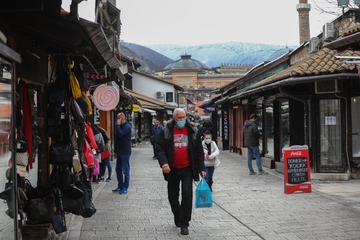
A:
(304, 23)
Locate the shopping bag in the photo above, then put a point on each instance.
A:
(203, 195)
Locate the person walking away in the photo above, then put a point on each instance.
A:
(252, 135)
(181, 159)
(156, 132)
(123, 151)
(211, 152)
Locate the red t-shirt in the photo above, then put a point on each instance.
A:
(181, 150)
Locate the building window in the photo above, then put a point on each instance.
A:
(218, 85)
(209, 85)
(169, 97)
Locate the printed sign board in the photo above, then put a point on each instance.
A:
(297, 169)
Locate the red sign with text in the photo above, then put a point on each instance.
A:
(297, 169)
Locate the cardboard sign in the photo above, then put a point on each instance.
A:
(297, 169)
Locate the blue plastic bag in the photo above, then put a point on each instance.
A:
(203, 195)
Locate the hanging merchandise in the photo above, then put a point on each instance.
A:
(88, 154)
(76, 111)
(91, 137)
(88, 102)
(106, 97)
(61, 153)
(27, 127)
(75, 86)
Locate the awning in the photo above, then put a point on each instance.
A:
(82, 40)
(149, 102)
(152, 112)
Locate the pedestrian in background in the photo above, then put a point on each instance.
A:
(105, 162)
(207, 126)
(211, 159)
(181, 158)
(105, 155)
(122, 149)
(252, 135)
(156, 129)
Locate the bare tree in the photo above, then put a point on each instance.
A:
(331, 6)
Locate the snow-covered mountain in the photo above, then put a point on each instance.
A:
(213, 55)
(155, 57)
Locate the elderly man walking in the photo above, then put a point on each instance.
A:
(181, 158)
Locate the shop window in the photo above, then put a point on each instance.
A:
(330, 132)
(355, 115)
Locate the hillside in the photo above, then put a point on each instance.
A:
(156, 57)
(150, 60)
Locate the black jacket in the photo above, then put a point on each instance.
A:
(251, 134)
(165, 148)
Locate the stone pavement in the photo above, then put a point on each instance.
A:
(244, 207)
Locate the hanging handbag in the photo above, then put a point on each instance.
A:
(22, 158)
(88, 154)
(61, 152)
(76, 162)
(21, 145)
(96, 169)
(40, 210)
(73, 139)
(84, 205)
(58, 219)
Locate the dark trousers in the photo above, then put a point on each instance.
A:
(154, 148)
(181, 211)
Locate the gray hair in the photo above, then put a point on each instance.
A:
(176, 110)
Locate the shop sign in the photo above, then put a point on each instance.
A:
(210, 109)
(96, 112)
(134, 107)
(91, 76)
(225, 125)
(297, 169)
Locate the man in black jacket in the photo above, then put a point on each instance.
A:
(181, 157)
(252, 135)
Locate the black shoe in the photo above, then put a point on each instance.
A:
(184, 231)
(177, 222)
(108, 179)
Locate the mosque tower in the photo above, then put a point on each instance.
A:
(304, 23)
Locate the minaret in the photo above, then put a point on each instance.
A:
(304, 23)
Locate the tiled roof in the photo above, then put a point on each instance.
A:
(322, 62)
(352, 30)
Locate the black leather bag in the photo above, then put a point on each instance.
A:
(40, 210)
(61, 152)
(84, 205)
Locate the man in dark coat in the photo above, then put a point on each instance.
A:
(122, 148)
(252, 135)
(181, 157)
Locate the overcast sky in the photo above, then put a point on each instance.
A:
(195, 22)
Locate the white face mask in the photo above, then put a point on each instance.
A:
(207, 141)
